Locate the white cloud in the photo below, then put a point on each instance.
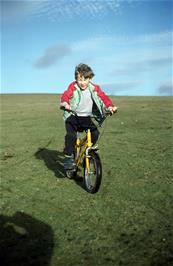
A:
(118, 87)
(146, 64)
(128, 54)
(123, 58)
(119, 41)
(57, 10)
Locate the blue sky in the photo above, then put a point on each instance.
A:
(128, 44)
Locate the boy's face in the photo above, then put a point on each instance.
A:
(82, 81)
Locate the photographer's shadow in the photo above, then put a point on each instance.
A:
(25, 241)
(53, 160)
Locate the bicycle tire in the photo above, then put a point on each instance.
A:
(92, 180)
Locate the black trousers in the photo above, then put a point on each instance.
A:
(80, 124)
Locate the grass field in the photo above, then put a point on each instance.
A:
(47, 219)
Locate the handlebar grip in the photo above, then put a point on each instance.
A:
(70, 111)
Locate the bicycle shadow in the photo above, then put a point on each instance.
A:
(53, 160)
(25, 241)
(78, 179)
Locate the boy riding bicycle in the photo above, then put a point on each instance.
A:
(86, 99)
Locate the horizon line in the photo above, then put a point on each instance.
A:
(49, 93)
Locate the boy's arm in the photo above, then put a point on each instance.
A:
(106, 100)
(66, 96)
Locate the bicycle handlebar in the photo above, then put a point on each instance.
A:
(106, 113)
(70, 111)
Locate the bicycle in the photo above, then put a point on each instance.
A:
(86, 156)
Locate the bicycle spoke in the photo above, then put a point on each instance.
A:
(93, 173)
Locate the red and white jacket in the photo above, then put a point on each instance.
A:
(100, 100)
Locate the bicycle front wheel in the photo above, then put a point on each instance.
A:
(93, 172)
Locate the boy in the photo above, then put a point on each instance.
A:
(86, 99)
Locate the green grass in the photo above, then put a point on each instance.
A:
(47, 219)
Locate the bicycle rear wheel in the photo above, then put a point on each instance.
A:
(93, 175)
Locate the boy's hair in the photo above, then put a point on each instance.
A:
(84, 70)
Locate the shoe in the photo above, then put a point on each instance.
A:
(69, 162)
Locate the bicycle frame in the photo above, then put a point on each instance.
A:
(82, 147)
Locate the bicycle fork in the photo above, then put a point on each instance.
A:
(84, 153)
(89, 145)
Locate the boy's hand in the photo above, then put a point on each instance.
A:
(113, 109)
(67, 107)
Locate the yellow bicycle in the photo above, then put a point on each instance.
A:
(87, 157)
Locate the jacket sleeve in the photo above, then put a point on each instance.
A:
(67, 95)
(105, 99)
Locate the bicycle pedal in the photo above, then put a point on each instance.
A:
(96, 147)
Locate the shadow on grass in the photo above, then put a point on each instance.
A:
(78, 179)
(25, 241)
(53, 159)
